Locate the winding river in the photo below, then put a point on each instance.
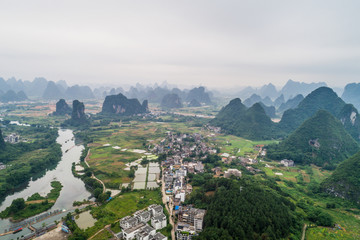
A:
(73, 188)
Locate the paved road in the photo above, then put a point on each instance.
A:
(171, 221)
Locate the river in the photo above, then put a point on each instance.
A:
(73, 188)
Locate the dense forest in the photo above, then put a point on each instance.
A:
(245, 209)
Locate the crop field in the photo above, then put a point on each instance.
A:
(119, 143)
(238, 146)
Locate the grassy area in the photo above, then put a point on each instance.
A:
(103, 235)
(121, 206)
(238, 146)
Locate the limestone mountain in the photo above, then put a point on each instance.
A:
(11, 96)
(351, 94)
(291, 103)
(171, 100)
(279, 100)
(293, 88)
(199, 94)
(268, 90)
(345, 180)
(79, 92)
(52, 91)
(322, 98)
(269, 110)
(252, 100)
(194, 103)
(121, 105)
(62, 108)
(78, 113)
(322, 140)
(251, 123)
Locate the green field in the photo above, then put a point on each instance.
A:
(238, 146)
(121, 206)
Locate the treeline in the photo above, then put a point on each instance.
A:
(20, 174)
(245, 209)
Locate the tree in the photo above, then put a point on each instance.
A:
(17, 205)
(2, 142)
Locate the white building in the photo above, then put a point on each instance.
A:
(159, 222)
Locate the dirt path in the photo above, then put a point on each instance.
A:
(303, 232)
(93, 176)
(171, 221)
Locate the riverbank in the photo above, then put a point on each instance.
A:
(73, 188)
(35, 204)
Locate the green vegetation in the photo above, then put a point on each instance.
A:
(246, 209)
(321, 140)
(345, 181)
(28, 159)
(326, 99)
(19, 209)
(252, 123)
(119, 207)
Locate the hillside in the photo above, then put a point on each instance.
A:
(52, 92)
(252, 123)
(321, 140)
(345, 181)
(326, 99)
(199, 94)
(11, 96)
(291, 103)
(121, 105)
(171, 101)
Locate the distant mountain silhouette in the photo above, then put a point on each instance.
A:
(171, 100)
(121, 105)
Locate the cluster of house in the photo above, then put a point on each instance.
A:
(184, 145)
(137, 227)
(12, 138)
(190, 222)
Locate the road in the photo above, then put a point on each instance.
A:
(171, 220)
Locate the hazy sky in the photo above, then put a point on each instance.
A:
(214, 43)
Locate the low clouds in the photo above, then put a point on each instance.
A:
(192, 42)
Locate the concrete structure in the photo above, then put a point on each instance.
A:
(158, 222)
(287, 163)
(232, 172)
